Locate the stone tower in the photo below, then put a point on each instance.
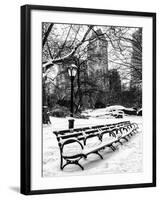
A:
(97, 58)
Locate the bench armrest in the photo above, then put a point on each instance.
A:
(71, 141)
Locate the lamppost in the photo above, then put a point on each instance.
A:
(72, 70)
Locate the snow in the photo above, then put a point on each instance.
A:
(104, 111)
(128, 158)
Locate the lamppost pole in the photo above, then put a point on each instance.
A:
(72, 90)
(72, 70)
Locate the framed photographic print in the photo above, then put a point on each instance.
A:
(88, 99)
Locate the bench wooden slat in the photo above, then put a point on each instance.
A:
(99, 147)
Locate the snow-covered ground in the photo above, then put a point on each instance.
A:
(127, 158)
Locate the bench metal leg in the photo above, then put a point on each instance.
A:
(120, 142)
(99, 154)
(125, 139)
(72, 162)
(112, 147)
(68, 162)
(135, 131)
(61, 163)
(79, 165)
(65, 165)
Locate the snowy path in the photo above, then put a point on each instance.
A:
(127, 157)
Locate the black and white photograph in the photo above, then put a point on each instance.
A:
(88, 99)
(92, 99)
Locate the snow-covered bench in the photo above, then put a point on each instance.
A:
(79, 137)
(128, 131)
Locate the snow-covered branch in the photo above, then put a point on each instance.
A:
(67, 57)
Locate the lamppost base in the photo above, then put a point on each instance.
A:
(71, 123)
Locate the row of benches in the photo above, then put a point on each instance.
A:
(107, 136)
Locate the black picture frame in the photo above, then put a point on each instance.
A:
(25, 182)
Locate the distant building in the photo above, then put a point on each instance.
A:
(97, 58)
(136, 60)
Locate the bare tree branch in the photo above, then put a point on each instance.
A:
(50, 63)
(47, 34)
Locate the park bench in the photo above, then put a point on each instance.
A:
(115, 134)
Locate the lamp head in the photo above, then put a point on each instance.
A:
(72, 70)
